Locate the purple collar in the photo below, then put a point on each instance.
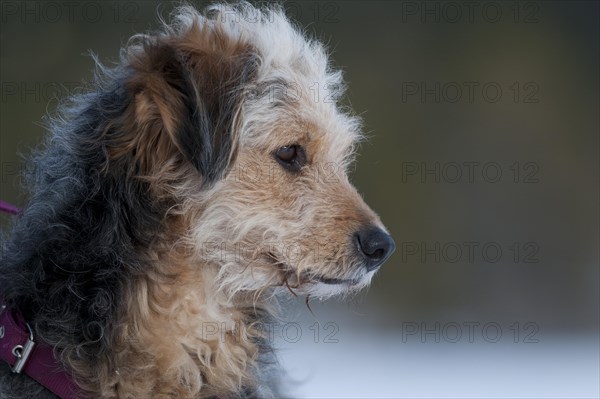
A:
(8, 208)
(19, 348)
(37, 359)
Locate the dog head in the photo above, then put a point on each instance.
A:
(238, 125)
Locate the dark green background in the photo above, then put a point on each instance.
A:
(550, 46)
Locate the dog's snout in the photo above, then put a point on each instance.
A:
(375, 245)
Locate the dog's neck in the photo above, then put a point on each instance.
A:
(184, 336)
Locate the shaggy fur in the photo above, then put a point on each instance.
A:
(158, 209)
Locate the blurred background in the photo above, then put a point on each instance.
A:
(483, 162)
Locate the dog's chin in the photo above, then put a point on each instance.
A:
(325, 287)
(320, 285)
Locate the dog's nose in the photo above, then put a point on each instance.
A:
(376, 246)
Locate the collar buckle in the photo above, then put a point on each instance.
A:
(22, 353)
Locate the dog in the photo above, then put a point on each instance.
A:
(196, 181)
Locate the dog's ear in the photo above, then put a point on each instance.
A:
(187, 93)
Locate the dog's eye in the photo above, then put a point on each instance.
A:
(291, 157)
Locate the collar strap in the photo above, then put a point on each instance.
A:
(9, 208)
(19, 349)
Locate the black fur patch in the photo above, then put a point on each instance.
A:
(82, 236)
(212, 89)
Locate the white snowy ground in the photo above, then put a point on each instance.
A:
(376, 365)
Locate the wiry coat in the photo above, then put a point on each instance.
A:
(107, 261)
